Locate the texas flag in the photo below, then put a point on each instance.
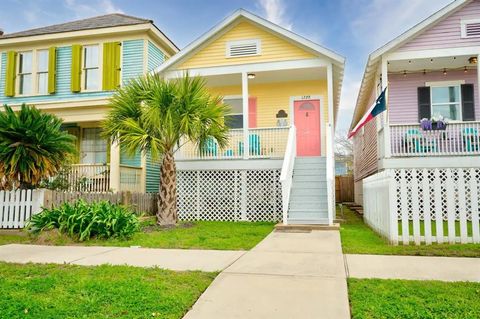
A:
(378, 107)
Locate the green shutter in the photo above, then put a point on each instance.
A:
(11, 72)
(76, 68)
(111, 66)
(52, 69)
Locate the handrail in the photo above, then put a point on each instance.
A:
(450, 122)
(286, 175)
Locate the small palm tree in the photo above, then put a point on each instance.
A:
(33, 146)
(154, 115)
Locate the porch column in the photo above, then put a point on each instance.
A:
(386, 121)
(246, 146)
(330, 132)
(478, 79)
(143, 179)
(115, 167)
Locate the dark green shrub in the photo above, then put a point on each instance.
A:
(82, 221)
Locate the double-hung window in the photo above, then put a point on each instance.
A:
(25, 66)
(446, 102)
(91, 68)
(42, 71)
(93, 146)
(235, 118)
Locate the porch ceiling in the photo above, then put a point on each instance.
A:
(418, 65)
(304, 74)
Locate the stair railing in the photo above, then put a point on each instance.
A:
(286, 176)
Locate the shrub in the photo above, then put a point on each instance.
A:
(82, 221)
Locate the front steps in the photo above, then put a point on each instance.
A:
(308, 198)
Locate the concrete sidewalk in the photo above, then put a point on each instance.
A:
(173, 259)
(287, 275)
(413, 267)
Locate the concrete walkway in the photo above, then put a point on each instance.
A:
(413, 267)
(173, 259)
(287, 275)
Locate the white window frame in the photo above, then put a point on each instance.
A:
(32, 73)
(229, 44)
(37, 73)
(96, 142)
(443, 84)
(235, 97)
(463, 24)
(99, 68)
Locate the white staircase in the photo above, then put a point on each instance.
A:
(308, 198)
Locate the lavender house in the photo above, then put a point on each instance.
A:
(427, 172)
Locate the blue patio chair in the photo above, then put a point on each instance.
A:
(471, 139)
(210, 148)
(254, 141)
(418, 144)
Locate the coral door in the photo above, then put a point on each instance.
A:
(307, 122)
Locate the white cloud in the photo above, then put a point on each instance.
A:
(274, 11)
(82, 9)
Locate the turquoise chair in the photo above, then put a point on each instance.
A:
(254, 141)
(470, 139)
(210, 148)
(417, 143)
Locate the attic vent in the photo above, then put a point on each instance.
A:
(471, 28)
(243, 48)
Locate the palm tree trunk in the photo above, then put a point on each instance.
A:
(167, 198)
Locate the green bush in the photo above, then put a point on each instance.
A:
(83, 221)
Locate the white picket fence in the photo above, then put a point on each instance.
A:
(424, 205)
(16, 207)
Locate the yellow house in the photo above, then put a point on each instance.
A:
(284, 94)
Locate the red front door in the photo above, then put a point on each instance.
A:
(307, 122)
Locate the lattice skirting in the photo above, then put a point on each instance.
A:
(229, 195)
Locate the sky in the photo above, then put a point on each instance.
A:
(352, 28)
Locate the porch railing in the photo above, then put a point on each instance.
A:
(286, 175)
(89, 178)
(269, 142)
(461, 138)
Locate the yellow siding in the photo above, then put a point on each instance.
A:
(273, 48)
(272, 97)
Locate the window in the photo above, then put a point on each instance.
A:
(446, 102)
(25, 73)
(93, 146)
(91, 70)
(42, 71)
(235, 118)
(243, 48)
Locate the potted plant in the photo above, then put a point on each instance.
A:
(436, 123)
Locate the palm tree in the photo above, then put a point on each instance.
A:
(154, 115)
(33, 146)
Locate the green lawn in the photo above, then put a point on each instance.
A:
(195, 235)
(358, 238)
(405, 299)
(66, 291)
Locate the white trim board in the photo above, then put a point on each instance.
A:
(218, 165)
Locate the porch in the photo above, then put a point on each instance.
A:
(100, 165)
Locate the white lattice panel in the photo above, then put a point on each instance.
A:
(229, 195)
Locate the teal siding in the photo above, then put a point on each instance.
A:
(62, 90)
(132, 62)
(155, 56)
(153, 175)
(126, 159)
(132, 66)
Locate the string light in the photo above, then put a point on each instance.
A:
(424, 71)
(465, 70)
(405, 73)
(444, 71)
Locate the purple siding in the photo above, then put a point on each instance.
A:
(402, 96)
(446, 33)
(365, 161)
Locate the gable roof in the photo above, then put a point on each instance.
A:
(374, 59)
(104, 21)
(241, 13)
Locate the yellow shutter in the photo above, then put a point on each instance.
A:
(11, 73)
(111, 66)
(76, 73)
(52, 69)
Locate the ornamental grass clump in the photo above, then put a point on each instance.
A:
(81, 220)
